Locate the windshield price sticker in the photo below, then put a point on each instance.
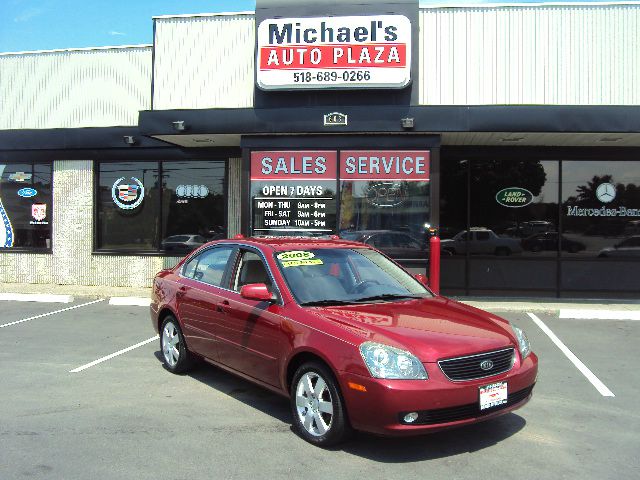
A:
(302, 263)
(295, 255)
(493, 395)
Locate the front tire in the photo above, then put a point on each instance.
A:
(175, 355)
(317, 406)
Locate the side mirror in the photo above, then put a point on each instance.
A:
(256, 291)
(422, 279)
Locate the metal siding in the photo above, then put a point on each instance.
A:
(74, 88)
(561, 54)
(204, 62)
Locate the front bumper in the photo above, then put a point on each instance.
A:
(439, 402)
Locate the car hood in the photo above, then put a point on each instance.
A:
(431, 329)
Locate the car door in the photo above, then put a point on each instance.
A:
(199, 295)
(252, 339)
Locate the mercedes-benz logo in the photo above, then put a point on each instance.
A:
(486, 365)
(606, 192)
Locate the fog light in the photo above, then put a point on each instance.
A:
(411, 417)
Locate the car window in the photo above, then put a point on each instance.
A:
(251, 269)
(190, 268)
(405, 241)
(382, 241)
(211, 265)
(344, 275)
(482, 236)
(177, 238)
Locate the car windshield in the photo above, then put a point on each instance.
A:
(336, 276)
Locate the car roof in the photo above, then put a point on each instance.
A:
(289, 243)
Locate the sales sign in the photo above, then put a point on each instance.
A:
(293, 193)
(372, 51)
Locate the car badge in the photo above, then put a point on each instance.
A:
(129, 195)
(27, 192)
(486, 365)
(20, 177)
(39, 211)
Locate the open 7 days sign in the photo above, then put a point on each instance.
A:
(334, 52)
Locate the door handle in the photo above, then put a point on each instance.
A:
(221, 305)
(181, 291)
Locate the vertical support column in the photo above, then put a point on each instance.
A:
(72, 221)
(234, 197)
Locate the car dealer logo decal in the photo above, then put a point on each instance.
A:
(606, 192)
(129, 195)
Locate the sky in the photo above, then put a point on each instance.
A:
(27, 25)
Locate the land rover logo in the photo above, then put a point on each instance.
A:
(514, 197)
(486, 365)
(606, 192)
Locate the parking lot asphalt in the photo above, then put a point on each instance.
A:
(127, 417)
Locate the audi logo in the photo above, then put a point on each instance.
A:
(486, 365)
(192, 191)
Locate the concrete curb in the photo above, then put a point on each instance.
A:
(92, 292)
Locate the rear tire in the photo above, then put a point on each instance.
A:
(175, 355)
(317, 407)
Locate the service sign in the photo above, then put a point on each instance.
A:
(372, 51)
(384, 165)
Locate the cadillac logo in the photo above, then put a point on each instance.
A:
(486, 365)
(129, 195)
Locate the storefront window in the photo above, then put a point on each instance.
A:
(26, 206)
(601, 208)
(160, 206)
(193, 206)
(384, 200)
(293, 193)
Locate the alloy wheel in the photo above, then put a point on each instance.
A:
(314, 404)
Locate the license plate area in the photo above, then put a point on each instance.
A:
(493, 395)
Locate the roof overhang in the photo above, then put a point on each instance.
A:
(534, 125)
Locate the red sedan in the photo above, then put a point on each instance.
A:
(349, 336)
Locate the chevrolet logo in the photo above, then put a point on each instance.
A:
(20, 177)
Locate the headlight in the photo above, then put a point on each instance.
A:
(523, 342)
(384, 361)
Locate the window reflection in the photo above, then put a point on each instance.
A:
(389, 215)
(26, 209)
(601, 207)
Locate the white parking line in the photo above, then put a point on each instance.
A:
(109, 357)
(36, 297)
(595, 381)
(592, 314)
(50, 313)
(134, 301)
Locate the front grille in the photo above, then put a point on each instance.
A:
(464, 412)
(468, 368)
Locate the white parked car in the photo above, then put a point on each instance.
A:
(480, 241)
(629, 247)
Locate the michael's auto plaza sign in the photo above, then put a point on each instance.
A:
(334, 52)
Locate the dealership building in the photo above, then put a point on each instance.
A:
(512, 129)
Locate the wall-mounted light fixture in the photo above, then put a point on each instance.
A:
(129, 139)
(406, 122)
(179, 125)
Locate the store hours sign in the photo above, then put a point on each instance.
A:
(293, 192)
(372, 51)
